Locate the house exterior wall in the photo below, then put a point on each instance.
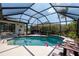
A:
(18, 26)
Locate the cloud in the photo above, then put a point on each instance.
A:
(51, 10)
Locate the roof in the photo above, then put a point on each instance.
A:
(40, 12)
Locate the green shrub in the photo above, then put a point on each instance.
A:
(72, 34)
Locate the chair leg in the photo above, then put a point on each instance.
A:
(64, 52)
(76, 53)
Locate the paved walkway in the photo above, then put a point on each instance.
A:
(11, 50)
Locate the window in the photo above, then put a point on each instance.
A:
(4, 27)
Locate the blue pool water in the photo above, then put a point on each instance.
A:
(35, 41)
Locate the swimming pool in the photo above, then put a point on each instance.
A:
(35, 41)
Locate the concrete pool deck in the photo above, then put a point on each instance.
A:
(11, 50)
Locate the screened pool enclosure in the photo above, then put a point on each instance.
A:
(42, 17)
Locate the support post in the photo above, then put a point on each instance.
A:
(26, 28)
(77, 28)
(1, 18)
